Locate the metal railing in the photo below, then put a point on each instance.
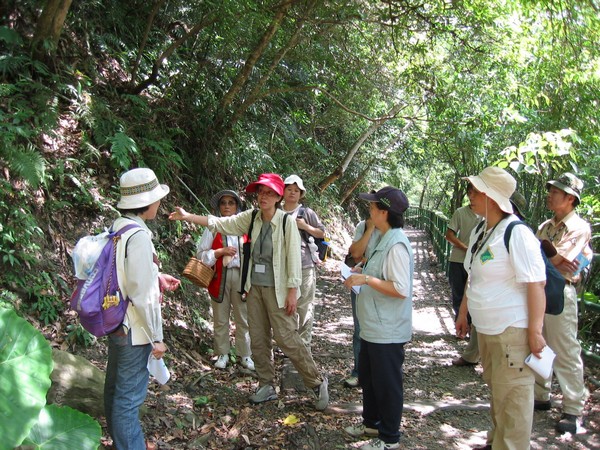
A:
(435, 224)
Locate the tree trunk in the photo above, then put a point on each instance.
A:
(255, 93)
(48, 28)
(168, 52)
(149, 23)
(242, 77)
(356, 183)
(339, 171)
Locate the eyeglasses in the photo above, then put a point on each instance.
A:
(267, 193)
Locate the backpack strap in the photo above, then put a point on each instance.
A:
(508, 232)
(300, 215)
(254, 213)
(246, 257)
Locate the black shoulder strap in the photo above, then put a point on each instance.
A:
(300, 215)
(284, 222)
(254, 213)
(479, 226)
(127, 242)
(508, 232)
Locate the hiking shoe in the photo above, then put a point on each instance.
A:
(351, 382)
(263, 394)
(322, 395)
(542, 405)
(378, 444)
(462, 362)
(568, 423)
(222, 361)
(361, 430)
(247, 363)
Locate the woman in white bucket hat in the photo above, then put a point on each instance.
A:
(506, 300)
(130, 346)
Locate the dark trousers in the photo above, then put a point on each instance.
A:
(380, 376)
(457, 276)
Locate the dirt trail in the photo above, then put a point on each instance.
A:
(446, 407)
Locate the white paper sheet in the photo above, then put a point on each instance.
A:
(158, 369)
(543, 366)
(346, 272)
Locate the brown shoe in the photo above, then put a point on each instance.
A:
(460, 361)
(542, 405)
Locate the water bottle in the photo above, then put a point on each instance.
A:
(314, 250)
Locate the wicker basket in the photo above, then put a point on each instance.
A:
(198, 273)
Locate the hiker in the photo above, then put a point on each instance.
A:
(222, 253)
(309, 225)
(384, 310)
(272, 285)
(567, 236)
(506, 300)
(462, 222)
(366, 237)
(141, 334)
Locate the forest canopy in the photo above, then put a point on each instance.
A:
(350, 95)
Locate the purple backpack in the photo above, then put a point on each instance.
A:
(97, 298)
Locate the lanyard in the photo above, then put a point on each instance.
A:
(477, 247)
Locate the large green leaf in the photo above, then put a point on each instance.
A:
(25, 367)
(60, 428)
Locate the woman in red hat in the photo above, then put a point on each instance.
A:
(223, 253)
(274, 276)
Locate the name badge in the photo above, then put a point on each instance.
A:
(260, 268)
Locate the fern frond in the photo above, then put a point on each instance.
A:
(25, 163)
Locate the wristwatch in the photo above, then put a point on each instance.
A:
(367, 279)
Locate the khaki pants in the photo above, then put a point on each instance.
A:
(266, 319)
(471, 353)
(232, 299)
(306, 308)
(560, 333)
(511, 383)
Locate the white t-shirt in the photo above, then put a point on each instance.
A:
(496, 288)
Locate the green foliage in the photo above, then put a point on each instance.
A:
(541, 153)
(77, 335)
(19, 232)
(123, 150)
(59, 428)
(25, 367)
(45, 300)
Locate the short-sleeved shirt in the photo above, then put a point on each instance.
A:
(497, 283)
(313, 220)
(373, 239)
(570, 236)
(462, 223)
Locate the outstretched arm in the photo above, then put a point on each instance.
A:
(182, 214)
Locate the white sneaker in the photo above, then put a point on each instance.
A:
(322, 395)
(351, 382)
(378, 444)
(222, 361)
(263, 394)
(361, 430)
(247, 363)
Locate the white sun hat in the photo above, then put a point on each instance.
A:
(497, 184)
(139, 188)
(295, 179)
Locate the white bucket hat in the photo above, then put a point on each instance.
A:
(139, 188)
(295, 179)
(497, 184)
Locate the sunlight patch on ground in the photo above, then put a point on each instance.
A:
(432, 321)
